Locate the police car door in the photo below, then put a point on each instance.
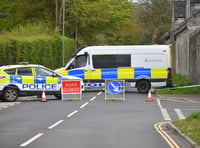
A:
(24, 76)
(45, 79)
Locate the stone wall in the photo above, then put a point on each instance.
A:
(186, 48)
(194, 66)
(182, 54)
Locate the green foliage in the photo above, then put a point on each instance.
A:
(153, 17)
(190, 126)
(91, 19)
(195, 115)
(179, 81)
(35, 44)
(7, 11)
(27, 10)
(93, 22)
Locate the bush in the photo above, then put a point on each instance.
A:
(34, 44)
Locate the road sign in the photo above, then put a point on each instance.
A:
(114, 90)
(71, 90)
(114, 87)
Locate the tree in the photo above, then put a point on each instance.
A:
(7, 14)
(28, 10)
(154, 17)
(89, 18)
(87, 21)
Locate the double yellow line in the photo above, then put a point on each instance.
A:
(167, 138)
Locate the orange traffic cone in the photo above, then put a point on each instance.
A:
(44, 99)
(149, 98)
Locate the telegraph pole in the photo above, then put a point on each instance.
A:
(63, 35)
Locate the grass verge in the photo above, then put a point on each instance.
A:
(179, 81)
(190, 126)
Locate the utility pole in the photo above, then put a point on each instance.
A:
(63, 35)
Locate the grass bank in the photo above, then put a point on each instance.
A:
(190, 126)
(180, 81)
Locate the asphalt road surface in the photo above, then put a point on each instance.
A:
(92, 122)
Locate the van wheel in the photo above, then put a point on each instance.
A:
(143, 86)
(10, 94)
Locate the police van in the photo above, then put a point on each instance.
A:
(141, 66)
(28, 79)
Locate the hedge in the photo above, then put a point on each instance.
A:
(41, 49)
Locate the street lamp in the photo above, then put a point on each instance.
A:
(63, 35)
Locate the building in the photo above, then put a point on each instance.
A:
(185, 38)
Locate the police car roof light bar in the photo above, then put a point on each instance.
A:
(23, 63)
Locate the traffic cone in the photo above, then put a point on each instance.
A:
(44, 99)
(149, 98)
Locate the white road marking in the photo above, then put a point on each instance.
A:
(71, 114)
(179, 114)
(159, 104)
(163, 111)
(31, 140)
(99, 93)
(165, 114)
(55, 124)
(82, 106)
(6, 105)
(93, 98)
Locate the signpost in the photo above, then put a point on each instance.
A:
(71, 90)
(114, 90)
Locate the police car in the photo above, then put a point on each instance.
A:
(27, 80)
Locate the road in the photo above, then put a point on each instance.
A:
(91, 122)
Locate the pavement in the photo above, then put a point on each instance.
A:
(170, 126)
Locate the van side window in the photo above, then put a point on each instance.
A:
(80, 61)
(124, 60)
(111, 61)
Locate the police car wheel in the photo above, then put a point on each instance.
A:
(143, 86)
(10, 94)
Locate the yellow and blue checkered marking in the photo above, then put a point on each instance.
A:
(120, 73)
(141, 73)
(109, 73)
(15, 79)
(77, 73)
(35, 82)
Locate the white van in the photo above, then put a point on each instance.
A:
(141, 66)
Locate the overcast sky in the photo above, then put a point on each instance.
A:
(134, 0)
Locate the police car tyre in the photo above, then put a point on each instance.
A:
(143, 86)
(10, 94)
